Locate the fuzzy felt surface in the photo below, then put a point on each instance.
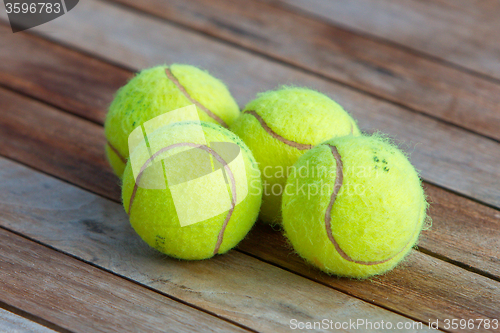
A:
(151, 93)
(153, 213)
(376, 217)
(301, 115)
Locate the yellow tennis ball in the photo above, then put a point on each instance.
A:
(160, 89)
(191, 199)
(279, 126)
(354, 206)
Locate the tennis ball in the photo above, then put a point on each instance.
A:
(160, 89)
(354, 206)
(279, 126)
(198, 199)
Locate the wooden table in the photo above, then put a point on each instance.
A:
(426, 72)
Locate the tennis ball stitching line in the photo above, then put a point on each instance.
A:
(218, 158)
(338, 184)
(299, 146)
(113, 148)
(192, 100)
(269, 130)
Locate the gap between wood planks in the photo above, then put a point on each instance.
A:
(453, 117)
(27, 319)
(108, 182)
(372, 68)
(459, 264)
(110, 292)
(405, 32)
(262, 249)
(83, 73)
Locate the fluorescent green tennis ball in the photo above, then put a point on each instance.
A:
(160, 89)
(354, 206)
(156, 214)
(279, 126)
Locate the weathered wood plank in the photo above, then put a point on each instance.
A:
(438, 289)
(381, 69)
(447, 156)
(10, 322)
(83, 298)
(440, 275)
(234, 286)
(463, 231)
(60, 77)
(460, 31)
(52, 141)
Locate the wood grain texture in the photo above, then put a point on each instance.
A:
(55, 142)
(378, 68)
(436, 288)
(407, 281)
(447, 156)
(11, 322)
(77, 83)
(464, 231)
(478, 248)
(460, 31)
(234, 286)
(82, 298)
